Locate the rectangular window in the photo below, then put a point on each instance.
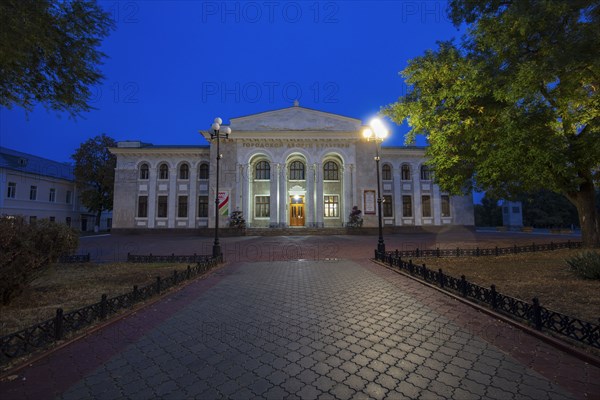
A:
(262, 206)
(426, 202)
(182, 207)
(142, 207)
(162, 206)
(331, 206)
(407, 206)
(12, 190)
(69, 197)
(52, 195)
(33, 193)
(388, 206)
(203, 206)
(445, 205)
(516, 210)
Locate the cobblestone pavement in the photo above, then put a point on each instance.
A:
(336, 329)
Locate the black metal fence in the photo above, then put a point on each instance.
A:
(152, 258)
(533, 313)
(74, 258)
(43, 334)
(477, 252)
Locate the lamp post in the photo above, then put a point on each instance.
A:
(218, 133)
(377, 132)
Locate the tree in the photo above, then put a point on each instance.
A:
(488, 213)
(49, 52)
(27, 249)
(95, 174)
(547, 209)
(515, 106)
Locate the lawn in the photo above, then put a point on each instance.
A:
(544, 275)
(71, 286)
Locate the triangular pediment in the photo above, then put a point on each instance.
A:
(295, 119)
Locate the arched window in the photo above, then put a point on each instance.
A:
(262, 170)
(163, 171)
(405, 172)
(425, 173)
(331, 171)
(144, 171)
(386, 172)
(297, 171)
(203, 171)
(184, 171)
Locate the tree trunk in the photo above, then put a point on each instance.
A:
(589, 217)
(98, 218)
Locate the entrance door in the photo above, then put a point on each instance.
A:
(297, 211)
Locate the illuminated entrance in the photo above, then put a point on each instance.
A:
(296, 210)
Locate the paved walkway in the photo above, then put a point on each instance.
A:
(336, 329)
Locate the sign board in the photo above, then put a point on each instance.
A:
(224, 203)
(369, 200)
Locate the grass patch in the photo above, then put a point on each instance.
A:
(72, 286)
(545, 275)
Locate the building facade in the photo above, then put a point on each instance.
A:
(293, 167)
(38, 188)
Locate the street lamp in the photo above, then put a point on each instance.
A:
(218, 133)
(377, 132)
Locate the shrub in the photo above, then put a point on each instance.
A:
(27, 249)
(586, 265)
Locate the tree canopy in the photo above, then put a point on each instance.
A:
(95, 173)
(49, 53)
(513, 107)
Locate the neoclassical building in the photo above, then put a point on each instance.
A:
(288, 168)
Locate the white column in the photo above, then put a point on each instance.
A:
(347, 196)
(436, 204)
(309, 199)
(245, 179)
(283, 221)
(152, 199)
(397, 196)
(416, 175)
(274, 195)
(172, 199)
(193, 195)
(319, 196)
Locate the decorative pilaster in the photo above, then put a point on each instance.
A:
(319, 196)
(397, 195)
(309, 199)
(418, 209)
(274, 195)
(193, 195)
(152, 198)
(282, 206)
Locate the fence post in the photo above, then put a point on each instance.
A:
(174, 277)
(496, 251)
(158, 285)
(376, 258)
(128, 257)
(515, 249)
(458, 252)
(533, 247)
(424, 272)
(391, 260)
(410, 266)
(494, 297)
(136, 293)
(188, 272)
(537, 314)
(58, 324)
(103, 307)
(477, 252)
(441, 278)
(463, 285)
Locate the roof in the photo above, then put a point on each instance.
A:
(28, 163)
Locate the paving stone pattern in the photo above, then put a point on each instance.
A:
(310, 329)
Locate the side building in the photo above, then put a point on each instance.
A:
(294, 167)
(39, 188)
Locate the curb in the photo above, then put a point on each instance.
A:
(559, 344)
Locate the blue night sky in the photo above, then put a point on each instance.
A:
(173, 66)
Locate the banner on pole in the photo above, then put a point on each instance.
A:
(224, 203)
